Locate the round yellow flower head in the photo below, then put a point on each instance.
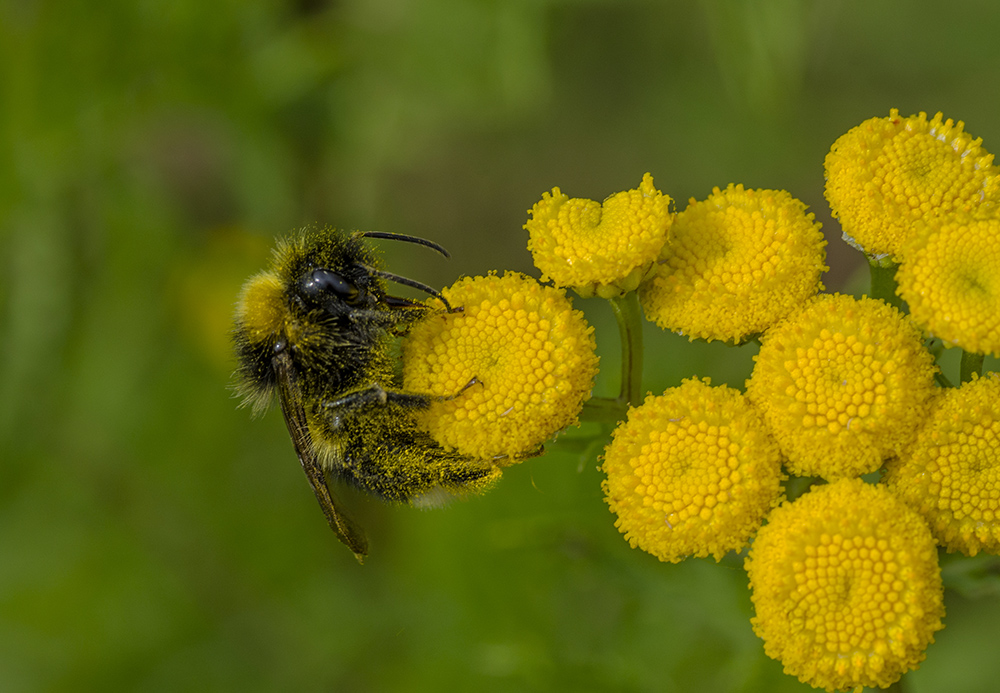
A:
(951, 472)
(846, 586)
(599, 249)
(842, 385)
(692, 472)
(888, 172)
(531, 356)
(737, 263)
(950, 278)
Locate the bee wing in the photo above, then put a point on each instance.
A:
(349, 533)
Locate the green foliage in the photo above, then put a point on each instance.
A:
(154, 538)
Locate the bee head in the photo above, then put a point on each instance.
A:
(331, 272)
(323, 302)
(318, 283)
(338, 292)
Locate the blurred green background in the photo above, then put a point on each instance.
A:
(155, 538)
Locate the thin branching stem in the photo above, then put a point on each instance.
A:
(629, 316)
(611, 410)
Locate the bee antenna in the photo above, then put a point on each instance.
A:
(406, 239)
(414, 284)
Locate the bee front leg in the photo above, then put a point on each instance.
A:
(376, 395)
(475, 381)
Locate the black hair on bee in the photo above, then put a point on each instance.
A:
(315, 331)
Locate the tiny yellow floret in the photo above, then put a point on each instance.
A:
(737, 263)
(887, 173)
(842, 385)
(949, 276)
(951, 473)
(528, 355)
(692, 472)
(846, 586)
(604, 249)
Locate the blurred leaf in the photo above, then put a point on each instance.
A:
(156, 538)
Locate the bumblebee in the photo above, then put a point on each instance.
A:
(315, 330)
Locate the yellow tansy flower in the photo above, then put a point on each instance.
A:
(889, 172)
(950, 279)
(842, 385)
(737, 263)
(691, 472)
(846, 586)
(530, 353)
(599, 249)
(951, 472)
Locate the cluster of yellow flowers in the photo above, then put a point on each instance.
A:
(845, 578)
(925, 195)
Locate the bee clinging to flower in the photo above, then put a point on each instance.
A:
(315, 330)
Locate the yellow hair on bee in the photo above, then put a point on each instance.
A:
(261, 306)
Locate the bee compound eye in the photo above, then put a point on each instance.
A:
(322, 282)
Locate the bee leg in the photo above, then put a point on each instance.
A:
(508, 460)
(376, 395)
(475, 381)
(390, 318)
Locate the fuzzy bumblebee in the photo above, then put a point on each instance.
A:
(315, 329)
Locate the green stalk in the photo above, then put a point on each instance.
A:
(883, 282)
(629, 316)
(608, 410)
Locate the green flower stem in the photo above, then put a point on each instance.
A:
(608, 410)
(883, 281)
(971, 363)
(629, 316)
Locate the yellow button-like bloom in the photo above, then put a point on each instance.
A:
(599, 249)
(531, 355)
(889, 172)
(951, 473)
(737, 263)
(846, 586)
(950, 279)
(692, 472)
(842, 385)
